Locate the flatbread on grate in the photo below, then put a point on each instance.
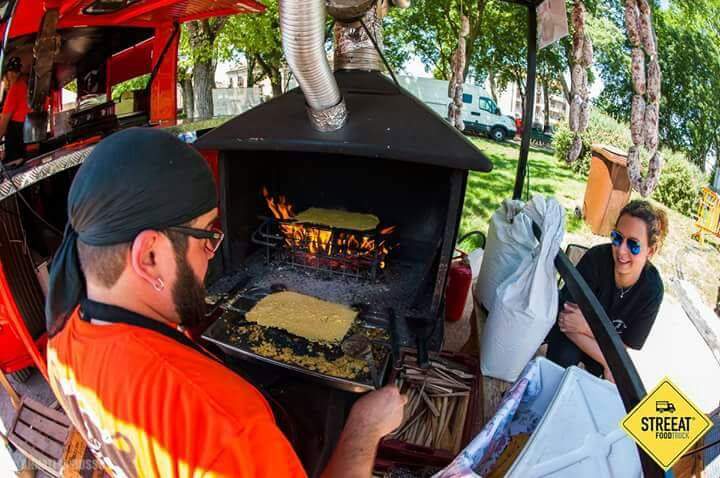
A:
(355, 221)
(302, 315)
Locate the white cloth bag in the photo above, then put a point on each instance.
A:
(509, 239)
(526, 302)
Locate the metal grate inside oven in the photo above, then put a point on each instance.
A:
(359, 254)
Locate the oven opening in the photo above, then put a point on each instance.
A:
(363, 233)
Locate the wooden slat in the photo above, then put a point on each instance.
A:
(49, 446)
(48, 427)
(14, 397)
(41, 409)
(35, 455)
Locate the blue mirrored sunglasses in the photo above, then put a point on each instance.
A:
(618, 239)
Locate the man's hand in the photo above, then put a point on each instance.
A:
(379, 412)
(572, 321)
(371, 418)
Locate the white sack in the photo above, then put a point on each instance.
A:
(526, 302)
(509, 239)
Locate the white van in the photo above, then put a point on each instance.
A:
(480, 113)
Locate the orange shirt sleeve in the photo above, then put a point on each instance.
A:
(261, 451)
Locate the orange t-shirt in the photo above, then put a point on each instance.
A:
(16, 103)
(150, 406)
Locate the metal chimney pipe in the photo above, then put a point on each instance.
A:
(302, 26)
(354, 49)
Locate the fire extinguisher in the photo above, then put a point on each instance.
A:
(459, 282)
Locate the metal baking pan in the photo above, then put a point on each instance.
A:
(220, 332)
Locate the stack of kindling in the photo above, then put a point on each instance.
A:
(437, 406)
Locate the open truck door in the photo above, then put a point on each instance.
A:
(97, 44)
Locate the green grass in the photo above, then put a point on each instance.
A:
(486, 191)
(550, 177)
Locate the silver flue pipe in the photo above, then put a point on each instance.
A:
(302, 26)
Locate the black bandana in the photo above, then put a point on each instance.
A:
(134, 180)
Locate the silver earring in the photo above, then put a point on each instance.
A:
(159, 284)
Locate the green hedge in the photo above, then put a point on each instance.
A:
(602, 129)
(680, 184)
(680, 181)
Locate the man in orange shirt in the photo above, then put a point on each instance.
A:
(127, 278)
(14, 111)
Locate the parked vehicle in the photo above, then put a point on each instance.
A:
(480, 114)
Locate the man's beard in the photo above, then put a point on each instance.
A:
(188, 294)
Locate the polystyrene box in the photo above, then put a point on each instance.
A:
(579, 434)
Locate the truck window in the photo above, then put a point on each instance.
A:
(467, 98)
(487, 104)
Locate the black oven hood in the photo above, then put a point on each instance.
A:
(385, 121)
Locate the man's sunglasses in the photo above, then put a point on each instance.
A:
(213, 236)
(618, 239)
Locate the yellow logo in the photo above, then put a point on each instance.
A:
(666, 424)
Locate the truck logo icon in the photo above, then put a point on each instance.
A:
(662, 406)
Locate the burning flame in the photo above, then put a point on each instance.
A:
(280, 209)
(328, 242)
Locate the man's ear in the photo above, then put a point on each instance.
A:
(143, 256)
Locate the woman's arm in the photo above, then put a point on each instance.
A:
(572, 320)
(590, 346)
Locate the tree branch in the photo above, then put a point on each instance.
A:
(217, 25)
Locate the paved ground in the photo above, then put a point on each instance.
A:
(675, 349)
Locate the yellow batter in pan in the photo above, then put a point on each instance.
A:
(302, 315)
(341, 219)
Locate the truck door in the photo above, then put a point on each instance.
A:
(488, 108)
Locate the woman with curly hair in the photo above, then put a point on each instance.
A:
(626, 283)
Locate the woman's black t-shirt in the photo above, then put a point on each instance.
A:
(631, 310)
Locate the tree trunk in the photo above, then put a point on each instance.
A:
(273, 74)
(188, 98)
(521, 92)
(493, 86)
(276, 84)
(473, 34)
(251, 60)
(202, 38)
(565, 87)
(203, 83)
(546, 96)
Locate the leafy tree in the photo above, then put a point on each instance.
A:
(257, 36)
(200, 45)
(688, 38)
(501, 55)
(429, 29)
(502, 51)
(137, 83)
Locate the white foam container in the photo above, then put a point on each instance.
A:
(579, 435)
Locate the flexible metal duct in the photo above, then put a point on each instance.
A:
(354, 49)
(302, 25)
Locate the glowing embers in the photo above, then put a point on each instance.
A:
(349, 243)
